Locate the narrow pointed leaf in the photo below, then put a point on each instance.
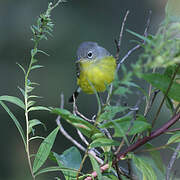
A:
(141, 37)
(100, 142)
(174, 138)
(22, 91)
(44, 150)
(85, 127)
(96, 167)
(21, 68)
(30, 103)
(40, 51)
(144, 167)
(38, 108)
(13, 100)
(36, 67)
(49, 169)
(16, 122)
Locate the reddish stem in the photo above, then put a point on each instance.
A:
(154, 134)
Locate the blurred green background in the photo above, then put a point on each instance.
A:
(75, 22)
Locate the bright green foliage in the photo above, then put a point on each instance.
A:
(16, 122)
(162, 82)
(144, 167)
(96, 167)
(174, 138)
(85, 127)
(13, 100)
(44, 150)
(127, 125)
(110, 112)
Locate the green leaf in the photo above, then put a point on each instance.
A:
(40, 51)
(127, 126)
(156, 156)
(30, 103)
(13, 100)
(51, 169)
(100, 142)
(110, 112)
(22, 91)
(38, 108)
(120, 131)
(16, 122)
(144, 167)
(85, 127)
(96, 167)
(44, 150)
(161, 82)
(141, 37)
(36, 137)
(21, 68)
(34, 122)
(71, 158)
(122, 91)
(36, 67)
(34, 96)
(29, 89)
(174, 138)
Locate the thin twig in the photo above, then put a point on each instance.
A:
(147, 24)
(173, 130)
(165, 96)
(76, 112)
(127, 55)
(171, 162)
(118, 43)
(73, 140)
(137, 46)
(82, 137)
(63, 130)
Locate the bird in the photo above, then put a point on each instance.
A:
(95, 69)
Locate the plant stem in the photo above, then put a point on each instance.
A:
(153, 135)
(26, 112)
(165, 95)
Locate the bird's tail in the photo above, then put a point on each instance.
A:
(74, 95)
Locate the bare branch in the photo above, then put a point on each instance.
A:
(171, 162)
(137, 46)
(118, 43)
(63, 130)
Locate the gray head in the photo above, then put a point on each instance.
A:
(90, 51)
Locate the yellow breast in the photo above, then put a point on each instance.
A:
(97, 73)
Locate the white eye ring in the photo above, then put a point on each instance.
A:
(90, 54)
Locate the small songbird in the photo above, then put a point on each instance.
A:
(96, 69)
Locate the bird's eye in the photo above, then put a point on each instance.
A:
(90, 54)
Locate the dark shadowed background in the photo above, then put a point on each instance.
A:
(75, 22)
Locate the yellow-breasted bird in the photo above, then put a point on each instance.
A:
(95, 68)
